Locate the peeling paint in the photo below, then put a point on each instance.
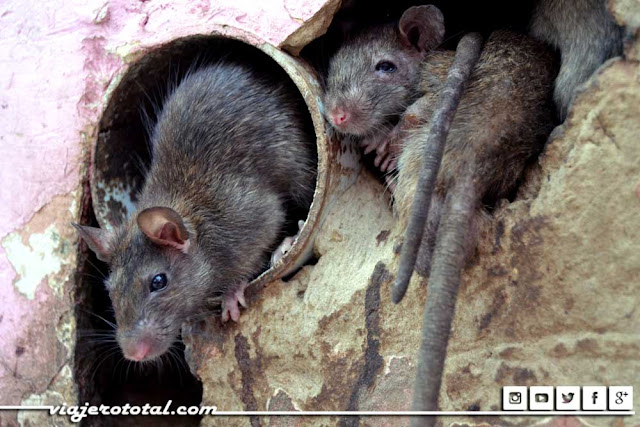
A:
(73, 207)
(119, 193)
(66, 330)
(101, 14)
(49, 397)
(35, 261)
(390, 359)
(127, 51)
(278, 390)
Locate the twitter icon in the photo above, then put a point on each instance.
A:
(568, 398)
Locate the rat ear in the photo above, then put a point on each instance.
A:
(164, 227)
(97, 239)
(422, 27)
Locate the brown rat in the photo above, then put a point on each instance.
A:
(501, 123)
(586, 35)
(504, 115)
(232, 148)
(506, 107)
(502, 120)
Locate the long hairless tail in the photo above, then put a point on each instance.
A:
(467, 55)
(444, 278)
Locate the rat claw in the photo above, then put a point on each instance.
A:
(370, 144)
(385, 164)
(235, 313)
(242, 301)
(382, 148)
(230, 307)
(377, 161)
(286, 245)
(389, 164)
(230, 311)
(369, 148)
(239, 294)
(281, 250)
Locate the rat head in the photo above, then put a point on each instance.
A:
(158, 278)
(374, 77)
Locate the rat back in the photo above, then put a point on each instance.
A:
(586, 35)
(502, 121)
(232, 149)
(227, 120)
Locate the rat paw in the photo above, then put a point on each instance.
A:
(230, 307)
(372, 142)
(387, 145)
(390, 146)
(285, 246)
(388, 151)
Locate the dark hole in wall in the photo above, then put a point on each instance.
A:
(122, 155)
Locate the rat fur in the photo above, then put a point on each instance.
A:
(503, 119)
(232, 147)
(501, 123)
(585, 34)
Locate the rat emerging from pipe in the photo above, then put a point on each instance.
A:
(231, 149)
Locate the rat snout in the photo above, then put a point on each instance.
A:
(347, 118)
(142, 347)
(138, 350)
(339, 117)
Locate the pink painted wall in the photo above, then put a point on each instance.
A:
(57, 61)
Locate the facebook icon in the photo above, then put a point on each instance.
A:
(594, 398)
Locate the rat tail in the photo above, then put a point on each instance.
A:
(466, 57)
(451, 253)
(454, 228)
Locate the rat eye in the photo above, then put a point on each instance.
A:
(386, 67)
(158, 282)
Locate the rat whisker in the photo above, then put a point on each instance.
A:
(95, 267)
(113, 325)
(106, 355)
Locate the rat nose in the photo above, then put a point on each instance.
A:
(138, 350)
(339, 117)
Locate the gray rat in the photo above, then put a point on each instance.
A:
(585, 34)
(501, 123)
(392, 74)
(374, 77)
(232, 148)
(505, 112)
(385, 86)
